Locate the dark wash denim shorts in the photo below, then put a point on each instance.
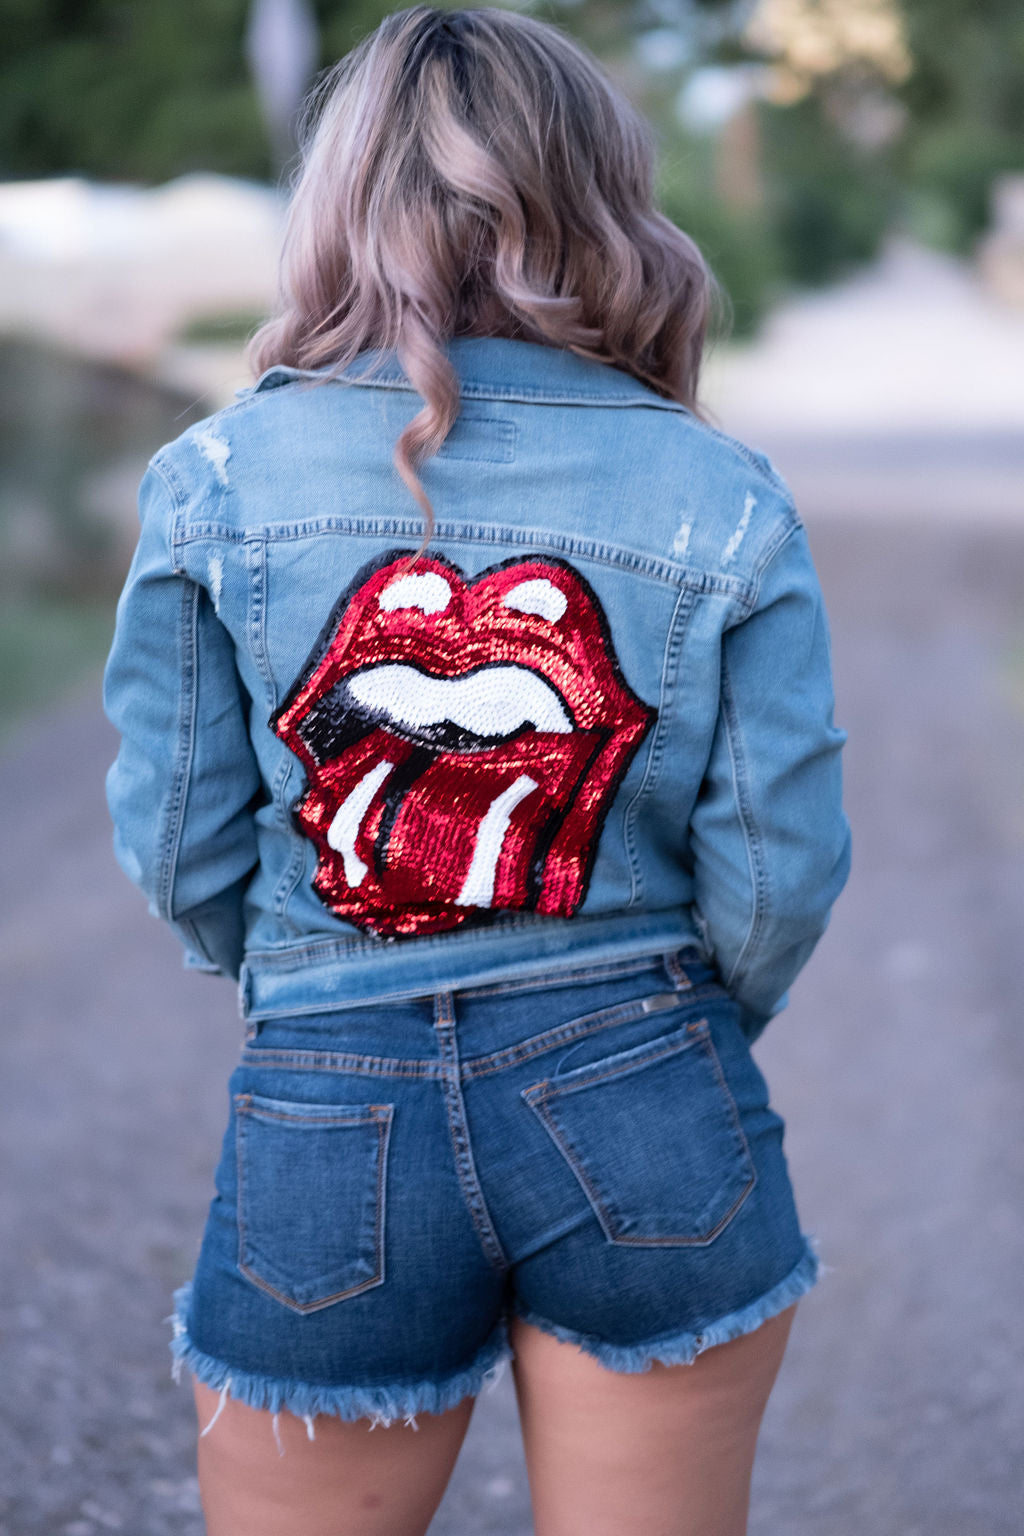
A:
(593, 1151)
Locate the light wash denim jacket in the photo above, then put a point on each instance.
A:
(593, 721)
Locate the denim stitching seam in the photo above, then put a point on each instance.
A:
(768, 554)
(341, 1061)
(612, 970)
(590, 1024)
(465, 1167)
(188, 637)
(741, 1139)
(256, 565)
(504, 448)
(656, 749)
(292, 874)
(531, 394)
(654, 567)
(548, 1086)
(165, 470)
(755, 860)
(292, 956)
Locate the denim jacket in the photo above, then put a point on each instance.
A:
(593, 720)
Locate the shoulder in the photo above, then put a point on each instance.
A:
(737, 456)
(199, 462)
(715, 504)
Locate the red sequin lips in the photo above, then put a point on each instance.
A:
(462, 742)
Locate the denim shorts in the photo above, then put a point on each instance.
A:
(592, 1150)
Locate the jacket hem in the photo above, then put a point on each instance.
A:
(315, 977)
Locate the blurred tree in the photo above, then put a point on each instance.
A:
(830, 201)
(887, 113)
(119, 90)
(965, 100)
(829, 120)
(968, 62)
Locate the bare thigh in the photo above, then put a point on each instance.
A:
(350, 1480)
(664, 1452)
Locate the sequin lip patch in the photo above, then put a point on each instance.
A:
(462, 742)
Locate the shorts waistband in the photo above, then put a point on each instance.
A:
(678, 964)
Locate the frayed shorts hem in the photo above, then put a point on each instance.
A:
(384, 1405)
(683, 1348)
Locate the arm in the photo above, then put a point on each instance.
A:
(770, 842)
(181, 791)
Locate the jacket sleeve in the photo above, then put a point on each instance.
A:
(769, 840)
(183, 787)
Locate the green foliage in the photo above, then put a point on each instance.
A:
(231, 328)
(47, 645)
(343, 23)
(952, 168)
(742, 249)
(968, 64)
(829, 203)
(965, 100)
(127, 91)
(744, 254)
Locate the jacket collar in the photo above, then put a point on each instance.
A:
(500, 368)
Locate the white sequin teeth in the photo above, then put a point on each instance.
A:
(492, 704)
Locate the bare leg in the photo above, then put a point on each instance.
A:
(664, 1452)
(348, 1481)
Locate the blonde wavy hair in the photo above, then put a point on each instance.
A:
(475, 173)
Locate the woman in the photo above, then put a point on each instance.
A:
(515, 813)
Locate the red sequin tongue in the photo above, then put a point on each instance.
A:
(422, 840)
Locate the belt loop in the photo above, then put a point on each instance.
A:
(677, 973)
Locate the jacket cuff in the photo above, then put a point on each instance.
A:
(213, 933)
(753, 1021)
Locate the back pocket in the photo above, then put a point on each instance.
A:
(311, 1186)
(654, 1138)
